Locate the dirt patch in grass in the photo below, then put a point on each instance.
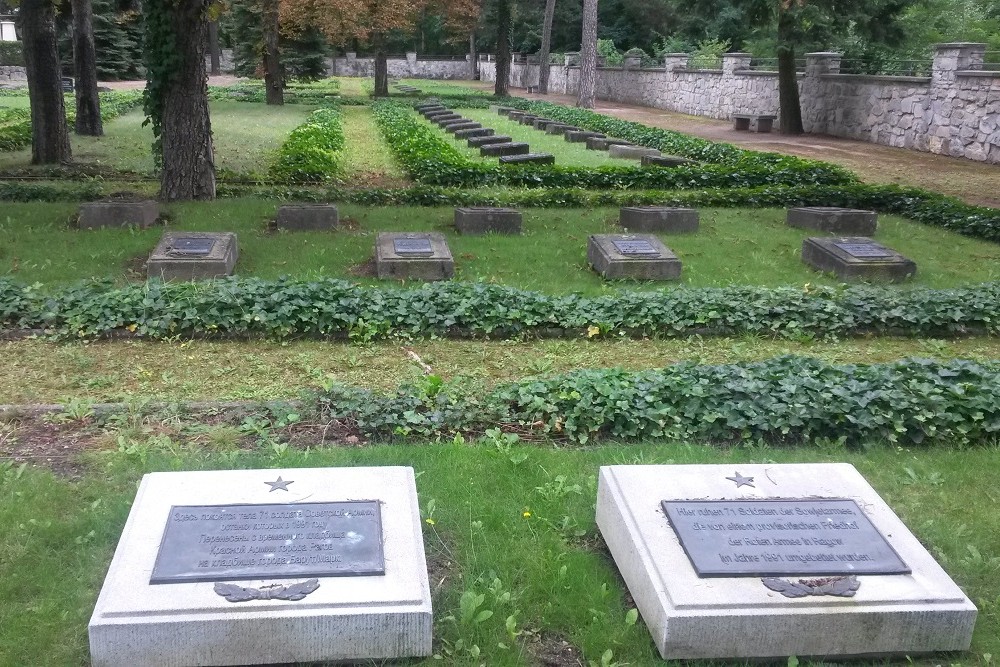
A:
(552, 650)
(54, 445)
(364, 270)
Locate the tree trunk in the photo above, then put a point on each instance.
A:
(473, 62)
(543, 55)
(588, 56)
(504, 28)
(790, 118)
(88, 104)
(274, 84)
(381, 68)
(49, 132)
(186, 135)
(214, 51)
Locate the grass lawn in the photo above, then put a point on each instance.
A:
(734, 246)
(366, 158)
(19, 101)
(510, 522)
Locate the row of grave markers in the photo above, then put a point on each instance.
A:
(640, 255)
(489, 143)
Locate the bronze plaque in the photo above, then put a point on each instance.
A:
(270, 541)
(737, 538)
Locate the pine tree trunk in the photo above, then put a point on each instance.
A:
(274, 84)
(504, 29)
(473, 62)
(88, 104)
(214, 51)
(588, 56)
(790, 114)
(188, 159)
(49, 132)
(543, 55)
(381, 67)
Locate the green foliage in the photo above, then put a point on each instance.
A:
(311, 153)
(708, 54)
(429, 159)
(612, 56)
(116, 37)
(15, 124)
(786, 400)
(303, 56)
(162, 59)
(11, 54)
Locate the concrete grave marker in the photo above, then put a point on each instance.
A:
(856, 258)
(467, 125)
(267, 566)
(422, 256)
(474, 132)
(193, 256)
(624, 152)
(769, 561)
(510, 148)
(604, 143)
(529, 158)
(484, 220)
(840, 221)
(581, 136)
(559, 128)
(637, 256)
(307, 217)
(478, 142)
(140, 214)
(665, 161)
(663, 219)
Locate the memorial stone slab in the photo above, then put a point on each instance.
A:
(623, 152)
(505, 111)
(467, 125)
(665, 161)
(441, 121)
(604, 143)
(139, 214)
(833, 220)
(431, 115)
(484, 220)
(511, 148)
(559, 128)
(246, 567)
(659, 219)
(774, 560)
(581, 136)
(477, 142)
(516, 115)
(528, 119)
(474, 132)
(529, 158)
(420, 256)
(307, 217)
(193, 256)
(856, 258)
(635, 256)
(542, 123)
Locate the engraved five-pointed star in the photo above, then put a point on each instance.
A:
(279, 484)
(738, 478)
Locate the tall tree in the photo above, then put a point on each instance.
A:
(176, 97)
(504, 26)
(88, 103)
(49, 132)
(588, 56)
(274, 80)
(543, 54)
(214, 50)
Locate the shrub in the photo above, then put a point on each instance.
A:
(11, 54)
(311, 153)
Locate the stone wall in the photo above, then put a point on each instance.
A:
(13, 75)
(410, 67)
(953, 112)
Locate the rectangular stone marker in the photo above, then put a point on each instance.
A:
(658, 219)
(477, 142)
(604, 143)
(856, 258)
(559, 128)
(307, 217)
(484, 220)
(431, 115)
(420, 256)
(467, 125)
(528, 119)
(193, 256)
(529, 158)
(706, 550)
(580, 136)
(639, 257)
(504, 111)
(511, 148)
(474, 132)
(447, 120)
(267, 566)
(622, 152)
(665, 161)
(140, 214)
(840, 221)
(542, 123)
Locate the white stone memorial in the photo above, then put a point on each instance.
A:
(245, 567)
(769, 561)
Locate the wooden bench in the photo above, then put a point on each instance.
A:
(741, 122)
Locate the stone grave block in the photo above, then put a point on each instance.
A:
(510, 148)
(421, 256)
(663, 219)
(580, 136)
(431, 115)
(856, 258)
(441, 121)
(623, 152)
(477, 142)
(529, 158)
(193, 256)
(483, 220)
(505, 111)
(665, 161)
(604, 143)
(640, 257)
(559, 128)
(840, 221)
(474, 132)
(307, 217)
(528, 119)
(140, 214)
(770, 561)
(517, 115)
(467, 125)
(247, 567)
(430, 106)
(542, 123)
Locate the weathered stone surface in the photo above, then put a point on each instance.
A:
(737, 617)
(527, 119)
(856, 258)
(622, 152)
(604, 143)
(474, 132)
(169, 261)
(307, 217)
(658, 219)
(559, 128)
(581, 136)
(466, 125)
(431, 115)
(841, 221)
(505, 111)
(391, 263)
(140, 214)
(189, 623)
(535, 158)
(476, 142)
(475, 220)
(542, 123)
(655, 261)
(497, 150)
(441, 121)
(665, 161)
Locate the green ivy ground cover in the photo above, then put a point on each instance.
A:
(311, 154)
(15, 134)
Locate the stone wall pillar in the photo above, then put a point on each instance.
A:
(945, 116)
(411, 62)
(735, 62)
(816, 117)
(7, 31)
(674, 61)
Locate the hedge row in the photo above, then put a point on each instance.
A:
(782, 400)
(294, 308)
(311, 154)
(429, 158)
(17, 134)
(11, 54)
